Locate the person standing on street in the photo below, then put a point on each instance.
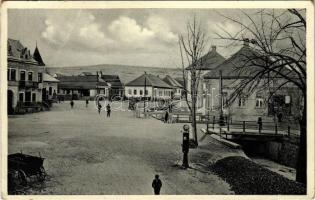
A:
(71, 103)
(166, 117)
(99, 107)
(86, 103)
(108, 110)
(157, 184)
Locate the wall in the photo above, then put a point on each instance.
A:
(15, 91)
(20, 66)
(152, 92)
(212, 99)
(53, 85)
(283, 151)
(137, 88)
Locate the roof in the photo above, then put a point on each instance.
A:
(17, 52)
(81, 82)
(86, 74)
(49, 78)
(149, 80)
(210, 60)
(180, 80)
(113, 80)
(38, 57)
(242, 58)
(172, 82)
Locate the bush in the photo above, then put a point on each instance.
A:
(247, 177)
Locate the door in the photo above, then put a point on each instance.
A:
(44, 95)
(28, 98)
(10, 102)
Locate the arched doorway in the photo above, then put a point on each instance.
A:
(10, 102)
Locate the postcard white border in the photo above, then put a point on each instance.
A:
(160, 4)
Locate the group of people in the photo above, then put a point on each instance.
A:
(99, 107)
(108, 109)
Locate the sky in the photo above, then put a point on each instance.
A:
(144, 37)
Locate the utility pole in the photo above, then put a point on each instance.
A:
(221, 119)
(145, 87)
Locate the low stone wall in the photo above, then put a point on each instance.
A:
(284, 151)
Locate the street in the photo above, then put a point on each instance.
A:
(88, 153)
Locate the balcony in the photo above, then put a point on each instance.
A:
(28, 84)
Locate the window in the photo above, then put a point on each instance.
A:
(50, 90)
(259, 102)
(287, 99)
(241, 101)
(141, 92)
(21, 97)
(30, 76)
(135, 92)
(146, 92)
(40, 77)
(22, 75)
(11, 74)
(160, 93)
(33, 97)
(129, 91)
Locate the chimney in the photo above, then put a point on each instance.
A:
(213, 48)
(246, 42)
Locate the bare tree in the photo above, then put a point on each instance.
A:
(191, 47)
(278, 52)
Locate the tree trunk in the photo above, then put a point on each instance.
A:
(193, 109)
(193, 122)
(301, 168)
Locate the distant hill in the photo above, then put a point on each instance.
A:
(125, 72)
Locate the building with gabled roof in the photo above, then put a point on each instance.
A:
(177, 87)
(116, 89)
(207, 62)
(261, 102)
(210, 60)
(51, 87)
(82, 86)
(25, 77)
(154, 86)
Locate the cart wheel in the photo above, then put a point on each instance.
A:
(42, 174)
(22, 178)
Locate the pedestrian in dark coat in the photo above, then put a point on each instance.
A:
(86, 102)
(99, 107)
(157, 184)
(71, 103)
(280, 115)
(108, 110)
(166, 117)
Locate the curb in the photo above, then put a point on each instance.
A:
(226, 142)
(222, 140)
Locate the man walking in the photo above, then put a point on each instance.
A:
(157, 184)
(108, 110)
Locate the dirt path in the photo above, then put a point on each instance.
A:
(87, 153)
